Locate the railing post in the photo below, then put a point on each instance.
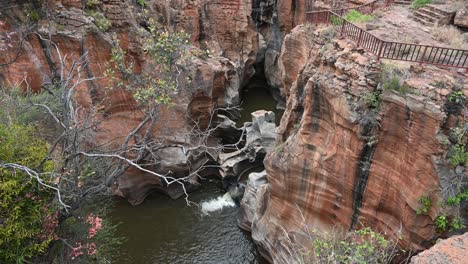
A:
(342, 26)
(328, 18)
(359, 37)
(379, 54)
(423, 55)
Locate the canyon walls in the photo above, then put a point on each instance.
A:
(225, 30)
(341, 163)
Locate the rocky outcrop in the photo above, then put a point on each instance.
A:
(449, 251)
(215, 81)
(461, 17)
(260, 136)
(340, 163)
(257, 185)
(231, 32)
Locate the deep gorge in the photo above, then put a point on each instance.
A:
(275, 132)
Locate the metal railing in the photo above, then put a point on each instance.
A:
(426, 54)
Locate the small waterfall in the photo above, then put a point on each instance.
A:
(217, 204)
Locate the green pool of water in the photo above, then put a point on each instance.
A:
(162, 230)
(257, 97)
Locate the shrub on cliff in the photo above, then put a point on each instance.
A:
(357, 246)
(27, 221)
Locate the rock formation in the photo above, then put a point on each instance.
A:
(339, 164)
(232, 32)
(260, 137)
(461, 17)
(453, 250)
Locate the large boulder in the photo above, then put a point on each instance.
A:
(453, 250)
(461, 18)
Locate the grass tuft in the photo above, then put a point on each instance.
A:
(357, 17)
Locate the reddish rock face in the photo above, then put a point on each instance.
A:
(337, 165)
(453, 250)
(223, 27)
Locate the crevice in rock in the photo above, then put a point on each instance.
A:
(362, 173)
(49, 58)
(91, 85)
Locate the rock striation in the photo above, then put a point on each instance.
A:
(231, 31)
(340, 163)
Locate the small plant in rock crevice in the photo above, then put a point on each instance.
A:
(441, 222)
(392, 76)
(458, 155)
(356, 246)
(426, 203)
(372, 99)
(141, 3)
(93, 3)
(100, 20)
(444, 223)
(456, 97)
(420, 3)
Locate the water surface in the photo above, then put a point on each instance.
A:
(257, 97)
(162, 230)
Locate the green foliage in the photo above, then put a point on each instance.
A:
(356, 17)
(100, 20)
(456, 97)
(141, 3)
(372, 99)
(459, 155)
(93, 3)
(426, 203)
(167, 52)
(358, 246)
(24, 205)
(89, 241)
(457, 152)
(394, 84)
(391, 78)
(456, 224)
(420, 3)
(442, 222)
(34, 15)
(456, 200)
(336, 21)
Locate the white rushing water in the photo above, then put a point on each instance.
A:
(217, 204)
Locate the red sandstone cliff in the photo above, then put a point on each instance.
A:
(224, 27)
(337, 164)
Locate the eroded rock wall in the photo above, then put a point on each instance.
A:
(214, 25)
(340, 165)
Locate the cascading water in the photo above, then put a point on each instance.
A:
(217, 204)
